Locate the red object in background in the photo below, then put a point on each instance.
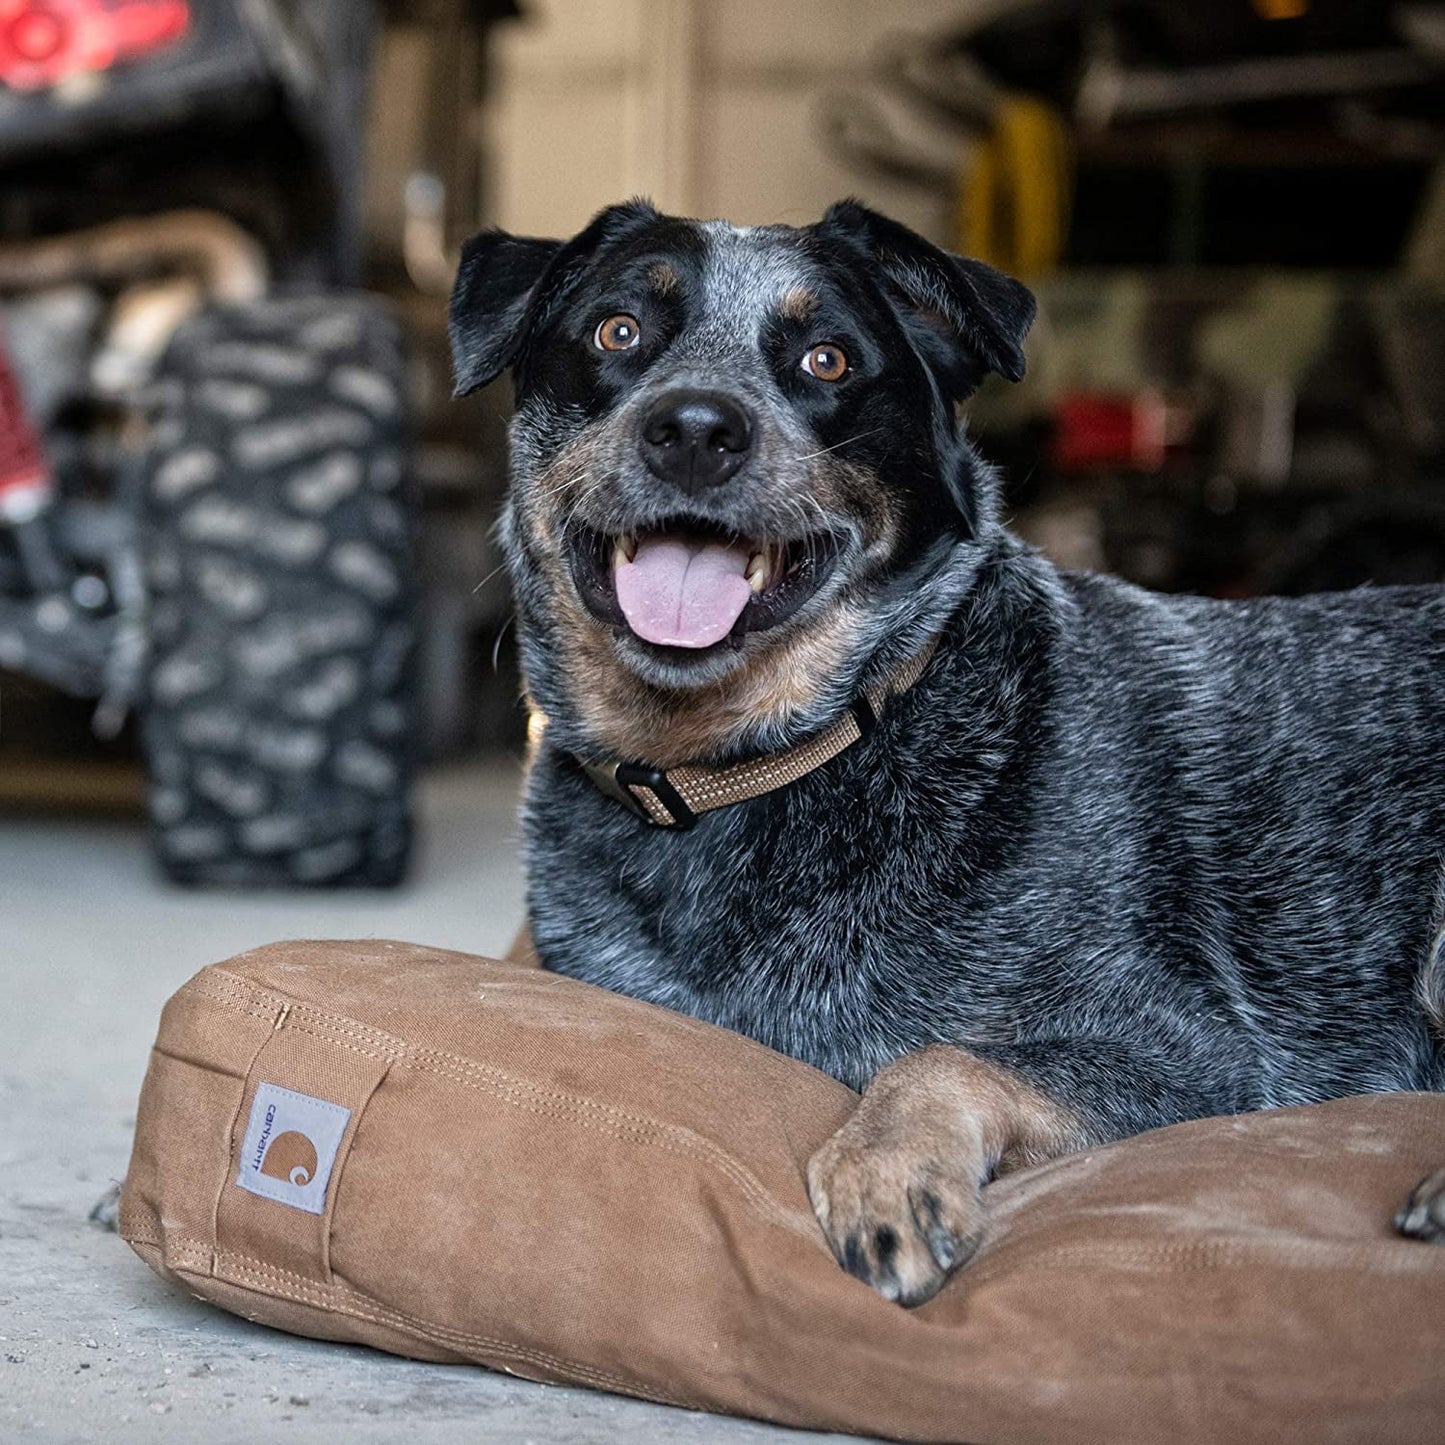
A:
(1097, 429)
(43, 42)
(25, 478)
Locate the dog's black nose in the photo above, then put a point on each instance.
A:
(695, 439)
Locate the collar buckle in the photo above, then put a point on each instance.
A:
(617, 780)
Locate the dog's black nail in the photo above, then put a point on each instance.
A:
(928, 1203)
(942, 1246)
(854, 1260)
(928, 1220)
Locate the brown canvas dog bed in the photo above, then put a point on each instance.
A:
(465, 1160)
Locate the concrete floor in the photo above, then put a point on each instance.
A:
(92, 1345)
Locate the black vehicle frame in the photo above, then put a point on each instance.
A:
(220, 533)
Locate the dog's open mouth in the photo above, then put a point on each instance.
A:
(692, 585)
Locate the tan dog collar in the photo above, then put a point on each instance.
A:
(673, 798)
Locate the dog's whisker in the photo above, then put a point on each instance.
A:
(510, 618)
(582, 497)
(500, 567)
(566, 484)
(562, 485)
(838, 446)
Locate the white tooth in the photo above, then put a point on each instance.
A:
(758, 570)
(620, 553)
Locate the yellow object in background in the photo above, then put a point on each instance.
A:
(1281, 9)
(1013, 204)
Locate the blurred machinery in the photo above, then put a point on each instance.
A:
(426, 191)
(1234, 216)
(206, 507)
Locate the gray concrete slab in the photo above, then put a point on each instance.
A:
(92, 1345)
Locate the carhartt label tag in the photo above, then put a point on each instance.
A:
(290, 1146)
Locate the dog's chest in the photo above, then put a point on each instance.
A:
(798, 978)
(794, 925)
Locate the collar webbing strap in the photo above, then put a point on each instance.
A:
(673, 798)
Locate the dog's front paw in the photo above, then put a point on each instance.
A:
(898, 1213)
(1423, 1216)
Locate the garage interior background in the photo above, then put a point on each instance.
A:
(1233, 213)
(1234, 216)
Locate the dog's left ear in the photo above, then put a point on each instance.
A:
(966, 318)
(505, 283)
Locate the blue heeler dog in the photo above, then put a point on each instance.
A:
(1037, 860)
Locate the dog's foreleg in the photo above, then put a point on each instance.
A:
(896, 1189)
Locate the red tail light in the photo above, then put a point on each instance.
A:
(43, 42)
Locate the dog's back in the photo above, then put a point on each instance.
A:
(1257, 783)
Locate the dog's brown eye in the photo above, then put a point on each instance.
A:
(827, 362)
(618, 333)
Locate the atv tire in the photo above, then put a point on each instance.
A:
(276, 529)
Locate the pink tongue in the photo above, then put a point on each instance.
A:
(683, 594)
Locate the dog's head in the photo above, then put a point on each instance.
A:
(737, 468)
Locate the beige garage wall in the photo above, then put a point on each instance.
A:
(708, 106)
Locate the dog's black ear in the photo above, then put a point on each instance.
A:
(495, 281)
(505, 283)
(967, 318)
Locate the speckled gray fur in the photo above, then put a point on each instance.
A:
(1164, 856)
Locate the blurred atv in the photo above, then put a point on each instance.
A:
(205, 511)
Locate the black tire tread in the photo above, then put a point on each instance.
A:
(277, 526)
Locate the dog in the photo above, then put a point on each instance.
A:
(827, 756)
